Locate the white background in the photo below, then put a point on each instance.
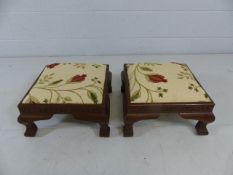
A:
(165, 146)
(110, 27)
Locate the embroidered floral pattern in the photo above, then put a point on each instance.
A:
(157, 78)
(69, 84)
(185, 73)
(80, 65)
(153, 78)
(163, 83)
(50, 66)
(196, 88)
(78, 78)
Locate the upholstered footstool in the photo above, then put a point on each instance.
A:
(152, 88)
(68, 88)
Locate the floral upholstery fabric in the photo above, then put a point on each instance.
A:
(69, 83)
(163, 83)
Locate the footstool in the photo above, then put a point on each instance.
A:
(68, 88)
(153, 88)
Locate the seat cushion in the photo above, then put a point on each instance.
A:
(73, 83)
(163, 83)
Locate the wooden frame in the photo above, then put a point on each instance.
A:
(99, 113)
(133, 112)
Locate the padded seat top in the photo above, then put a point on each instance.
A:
(163, 83)
(75, 83)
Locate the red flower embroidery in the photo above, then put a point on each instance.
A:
(157, 78)
(78, 78)
(50, 66)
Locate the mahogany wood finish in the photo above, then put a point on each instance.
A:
(99, 113)
(133, 112)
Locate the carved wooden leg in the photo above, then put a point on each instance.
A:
(31, 129)
(110, 83)
(122, 82)
(128, 129)
(203, 120)
(201, 128)
(29, 119)
(104, 130)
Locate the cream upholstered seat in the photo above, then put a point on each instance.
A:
(73, 83)
(163, 83)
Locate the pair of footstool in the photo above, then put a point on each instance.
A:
(82, 90)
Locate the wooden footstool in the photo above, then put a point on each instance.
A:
(152, 88)
(68, 88)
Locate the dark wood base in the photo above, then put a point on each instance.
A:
(202, 112)
(31, 128)
(203, 120)
(104, 130)
(99, 113)
(29, 121)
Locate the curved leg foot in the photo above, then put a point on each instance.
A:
(201, 128)
(104, 130)
(29, 119)
(31, 129)
(128, 130)
(203, 120)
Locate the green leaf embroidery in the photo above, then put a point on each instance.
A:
(92, 95)
(185, 74)
(206, 95)
(160, 95)
(55, 82)
(146, 69)
(165, 90)
(67, 99)
(136, 95)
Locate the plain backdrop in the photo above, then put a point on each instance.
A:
(115, 27)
